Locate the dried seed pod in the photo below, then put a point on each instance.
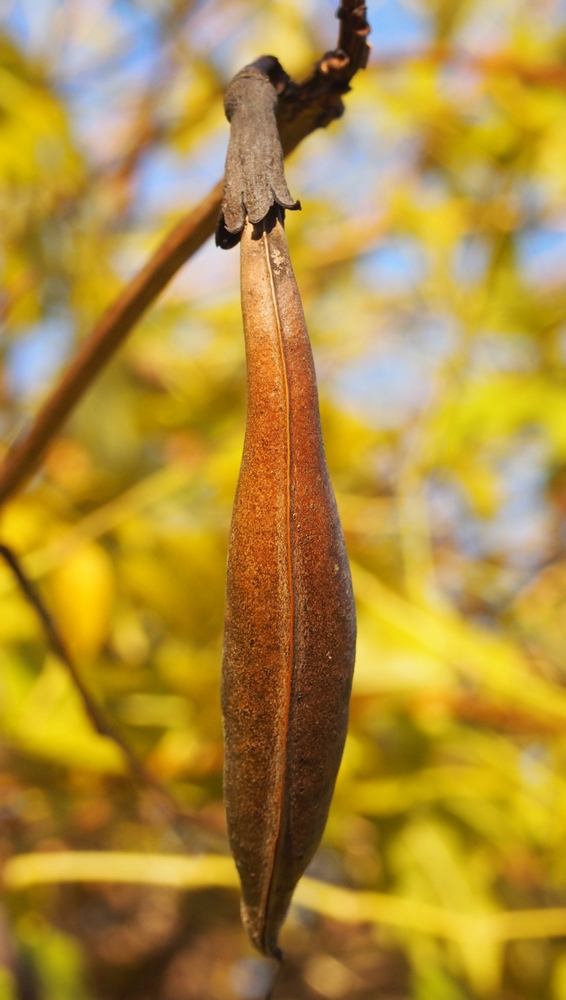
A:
(290, 620)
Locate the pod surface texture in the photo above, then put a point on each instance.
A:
(290, 625)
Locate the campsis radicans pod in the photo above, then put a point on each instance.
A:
(290, 620)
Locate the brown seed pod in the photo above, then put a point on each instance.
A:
(290, 619)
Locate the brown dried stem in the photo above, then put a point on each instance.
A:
(302, 108)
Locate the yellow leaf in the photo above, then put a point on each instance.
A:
(82, 590)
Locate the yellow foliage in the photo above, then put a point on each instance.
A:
(81, 590)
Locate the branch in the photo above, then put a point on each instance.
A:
(302, 108)
(58, 646)
(24, 457)
(318, 101)
(144, 779)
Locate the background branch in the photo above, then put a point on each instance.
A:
(165, 804)
(58, 646)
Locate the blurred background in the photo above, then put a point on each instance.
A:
(431, 256)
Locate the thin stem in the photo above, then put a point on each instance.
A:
(164, 802)
(58, 646)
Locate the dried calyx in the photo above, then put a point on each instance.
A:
(254, 178)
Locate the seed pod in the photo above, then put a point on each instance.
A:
(290, 621)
